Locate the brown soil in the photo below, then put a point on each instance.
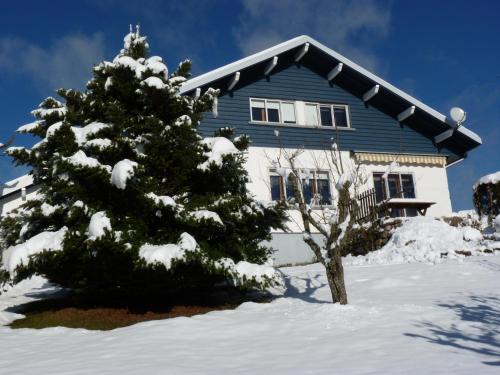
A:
(75, 312)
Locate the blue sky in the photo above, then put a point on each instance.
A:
(444, 53)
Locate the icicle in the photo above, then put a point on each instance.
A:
(215, 109)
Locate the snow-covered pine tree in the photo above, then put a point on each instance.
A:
(131, 196)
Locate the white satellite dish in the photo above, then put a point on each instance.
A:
(458, 115)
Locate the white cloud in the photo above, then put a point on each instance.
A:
(348, 26)
(67, 62)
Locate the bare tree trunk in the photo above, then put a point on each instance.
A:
(335, 275)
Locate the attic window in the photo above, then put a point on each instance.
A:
(287, 112)
(273, 111)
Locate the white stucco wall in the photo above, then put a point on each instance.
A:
(431, 182)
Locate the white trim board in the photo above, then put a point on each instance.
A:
(270, 53)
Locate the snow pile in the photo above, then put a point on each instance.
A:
(18, 254)
(471, 234)
(122, 171)
(496, 224)
(80, 159)
(422, 239)
(219, 147)
(492, 178)
(200, 215)
(98, 223)
(165, 254)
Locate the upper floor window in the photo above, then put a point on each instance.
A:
(316, 188)
(327, 115)
(298, 112)
(265, 110)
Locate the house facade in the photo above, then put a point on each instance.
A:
(301, 95)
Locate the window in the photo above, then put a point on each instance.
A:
(340, 116)
(315, 189)
(264, 110)
(396, 185)
(273, 111)
(288, 112)
(311, 114)
(326, 115)
(258, 110)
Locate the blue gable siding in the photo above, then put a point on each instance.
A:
(373, 130)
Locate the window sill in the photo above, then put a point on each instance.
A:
(283, 125)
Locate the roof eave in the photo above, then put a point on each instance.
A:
(258, 57)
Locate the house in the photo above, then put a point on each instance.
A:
(301, 94)
(15, 192)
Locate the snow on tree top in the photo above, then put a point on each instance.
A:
(133, 39)
(491, 178)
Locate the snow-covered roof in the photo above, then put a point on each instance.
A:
(269, 53)
(16, 184)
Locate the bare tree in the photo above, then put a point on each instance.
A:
(332, 219)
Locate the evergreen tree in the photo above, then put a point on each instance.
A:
(131, 196)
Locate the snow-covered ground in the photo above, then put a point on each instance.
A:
(411, 318)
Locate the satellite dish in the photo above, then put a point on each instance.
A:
(458, 115)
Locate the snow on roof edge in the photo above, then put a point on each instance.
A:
(268, 53)
(16, 184)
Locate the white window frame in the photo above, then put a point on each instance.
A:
(303, 113)
(386, 184)
(280, 111)
(315, 173)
